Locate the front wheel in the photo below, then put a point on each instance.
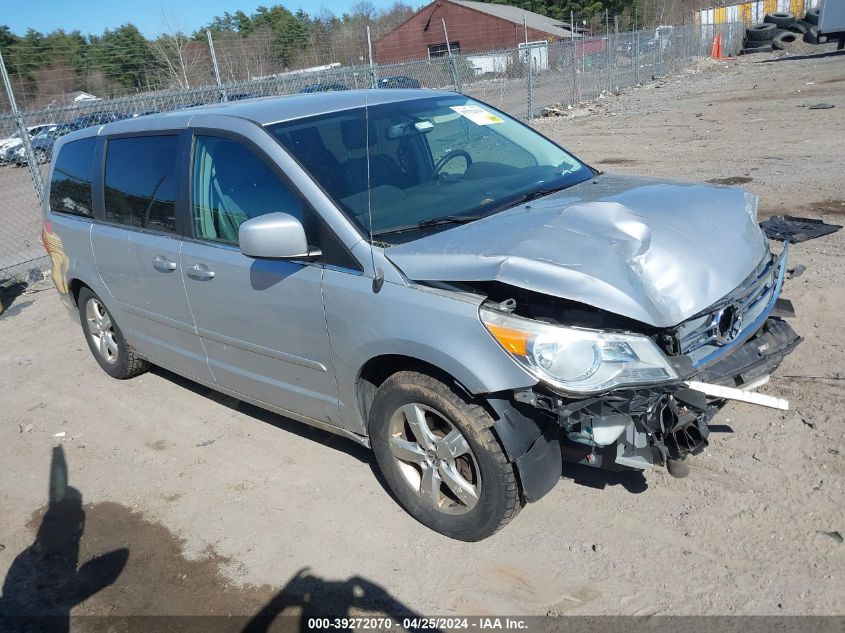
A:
(110, 349)
(41, 156)
(440, 458)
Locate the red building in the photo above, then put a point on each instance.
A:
(472, 27)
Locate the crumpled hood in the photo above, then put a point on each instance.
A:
(651, 250)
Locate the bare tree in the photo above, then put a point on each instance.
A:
(180, 58)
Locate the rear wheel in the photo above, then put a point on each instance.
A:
(440, 458)
(106, 341)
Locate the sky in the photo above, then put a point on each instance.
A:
(94, 16)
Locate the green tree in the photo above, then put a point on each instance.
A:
(123, 55)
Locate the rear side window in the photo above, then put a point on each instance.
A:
(141, 182)
(70, 186)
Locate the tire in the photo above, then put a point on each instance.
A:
(784, 41)
(105, 340)
(799, 27)
(41, 156)
(763, 31)
(408, 455)
(757, 43)
(781, 20)
(812, 17)
(812, 35)
(762, 49)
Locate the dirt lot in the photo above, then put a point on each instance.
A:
(201, 504)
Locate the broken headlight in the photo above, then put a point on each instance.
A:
(576, 359)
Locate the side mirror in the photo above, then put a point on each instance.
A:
(275, 236)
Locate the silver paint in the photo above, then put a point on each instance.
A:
(274, 235)
(655, 251)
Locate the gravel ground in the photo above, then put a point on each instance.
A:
(196, 503)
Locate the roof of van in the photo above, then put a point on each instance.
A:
(266, 110)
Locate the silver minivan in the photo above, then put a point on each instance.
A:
(417, 271)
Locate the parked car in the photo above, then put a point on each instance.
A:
(9, 145)
(145, 113)
(15, 153)
(42, 145)
(398, 81)
(240, 96)
(324, 88)
(473, 313)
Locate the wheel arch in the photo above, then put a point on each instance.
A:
(377, 369)
(74, 287)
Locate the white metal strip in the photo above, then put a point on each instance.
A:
(731, 393)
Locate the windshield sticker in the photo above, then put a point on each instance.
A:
(477, 115)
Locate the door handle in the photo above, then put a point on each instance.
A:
(200, 272)
(161, 263)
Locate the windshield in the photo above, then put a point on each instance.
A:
(431, 163)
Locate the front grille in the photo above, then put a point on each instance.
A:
(732, 318)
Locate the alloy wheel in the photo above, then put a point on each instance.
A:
(101, 329)
(435, 459)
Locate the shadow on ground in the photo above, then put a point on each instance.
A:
(795, 58)
(46, 578)
(9, 293)
(632, 481)
(45, 582)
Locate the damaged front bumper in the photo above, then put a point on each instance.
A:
(638, 428)
(629, 429)
(717, 358)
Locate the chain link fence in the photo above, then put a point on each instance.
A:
(521, 82)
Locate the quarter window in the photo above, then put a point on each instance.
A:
(231, 184)
(70, 185)
(141, 182)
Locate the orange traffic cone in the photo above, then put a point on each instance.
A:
(716, 47)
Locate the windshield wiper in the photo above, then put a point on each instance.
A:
(537, 193)
(449, 219)
(430, 222)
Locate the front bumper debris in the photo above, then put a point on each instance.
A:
(638, 428)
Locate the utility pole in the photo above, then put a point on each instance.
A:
(453, 67)
(373, 79)
(214, 64)
(607, 48)
(34, 171)
(575, 99)
(529, 71)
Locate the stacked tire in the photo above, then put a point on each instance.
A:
(759, 38)
(811, 22)
(806, 28)
(785, 39)
(780, 20)
(779, 31)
